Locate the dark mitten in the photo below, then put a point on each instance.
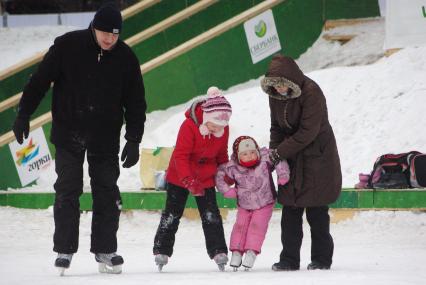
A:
(130, 154)
(21, 129)
(274, 156)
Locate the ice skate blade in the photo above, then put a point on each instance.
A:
(61, 271)
(235, 269)
(103, 268)
(221, 267)
(247, 268)
(160, 267)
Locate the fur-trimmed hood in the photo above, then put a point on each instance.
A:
(283, 71)
(195, 112)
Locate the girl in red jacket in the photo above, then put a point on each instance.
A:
(201, 145)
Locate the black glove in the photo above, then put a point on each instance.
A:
(21, 128)
(274, 156)
(130, 154)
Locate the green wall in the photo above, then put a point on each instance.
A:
(225, 60)
(152, 200)
(348, 9)
(190, 27)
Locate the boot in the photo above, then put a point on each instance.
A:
(236, 260)
(317, 265)
(221, 260)
(161, 260)
(249, 259)
(63, 261)
(109, 262)
(284, 266)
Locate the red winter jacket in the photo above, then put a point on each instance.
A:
(196, 156)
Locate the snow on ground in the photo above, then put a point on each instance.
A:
(17, 44)
(382, 247)
(365, 48)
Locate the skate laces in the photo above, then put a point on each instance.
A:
(67, 256)
(106, 258)
(249, 259)
(236, 259)
(107, 255)
(251, 253)
(220, 258)
(161, 259)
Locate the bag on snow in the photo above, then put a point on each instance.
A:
(398, 171)
(418, 170)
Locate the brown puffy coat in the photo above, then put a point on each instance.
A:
(302, 134)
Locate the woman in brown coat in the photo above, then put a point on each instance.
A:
(301, 133)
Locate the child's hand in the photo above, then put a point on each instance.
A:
(282, 180)
(193, 186)
(198, 192)
(231, 193)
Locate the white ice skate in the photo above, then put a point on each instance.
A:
(161, 260)
(63, 262)
(236, 260)
(109, 262)
(221, 259)
(249, 259)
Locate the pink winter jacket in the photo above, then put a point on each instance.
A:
(254, 186)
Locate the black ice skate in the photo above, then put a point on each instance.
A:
(316, 265)
(284, 266)
(63, 262)
(109, 262)
(161, 260)
(221, 259)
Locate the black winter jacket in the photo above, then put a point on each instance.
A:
(92, 90)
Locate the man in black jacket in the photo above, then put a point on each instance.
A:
(96, 81)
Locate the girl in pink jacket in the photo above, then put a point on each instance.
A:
(251, 170)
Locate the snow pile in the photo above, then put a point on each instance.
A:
(18, 44)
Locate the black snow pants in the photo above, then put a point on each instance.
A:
(210, 218)
(292, 234)
(103, 171)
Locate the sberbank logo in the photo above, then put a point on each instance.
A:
(260, 29)
(424, 11)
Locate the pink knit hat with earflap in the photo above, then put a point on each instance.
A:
(216, 109)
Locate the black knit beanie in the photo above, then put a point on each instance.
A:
(108, 19)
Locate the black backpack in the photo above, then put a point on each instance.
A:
(418, 170)
(394, 171)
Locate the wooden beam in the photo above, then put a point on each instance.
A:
(340, 38)
(214, 32)
(331, 24)
(170, 21)
(34, 124)
(138, 7)
(391, 51)
(21, 65)
(10, 102)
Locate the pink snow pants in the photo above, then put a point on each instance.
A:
(250, 229)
